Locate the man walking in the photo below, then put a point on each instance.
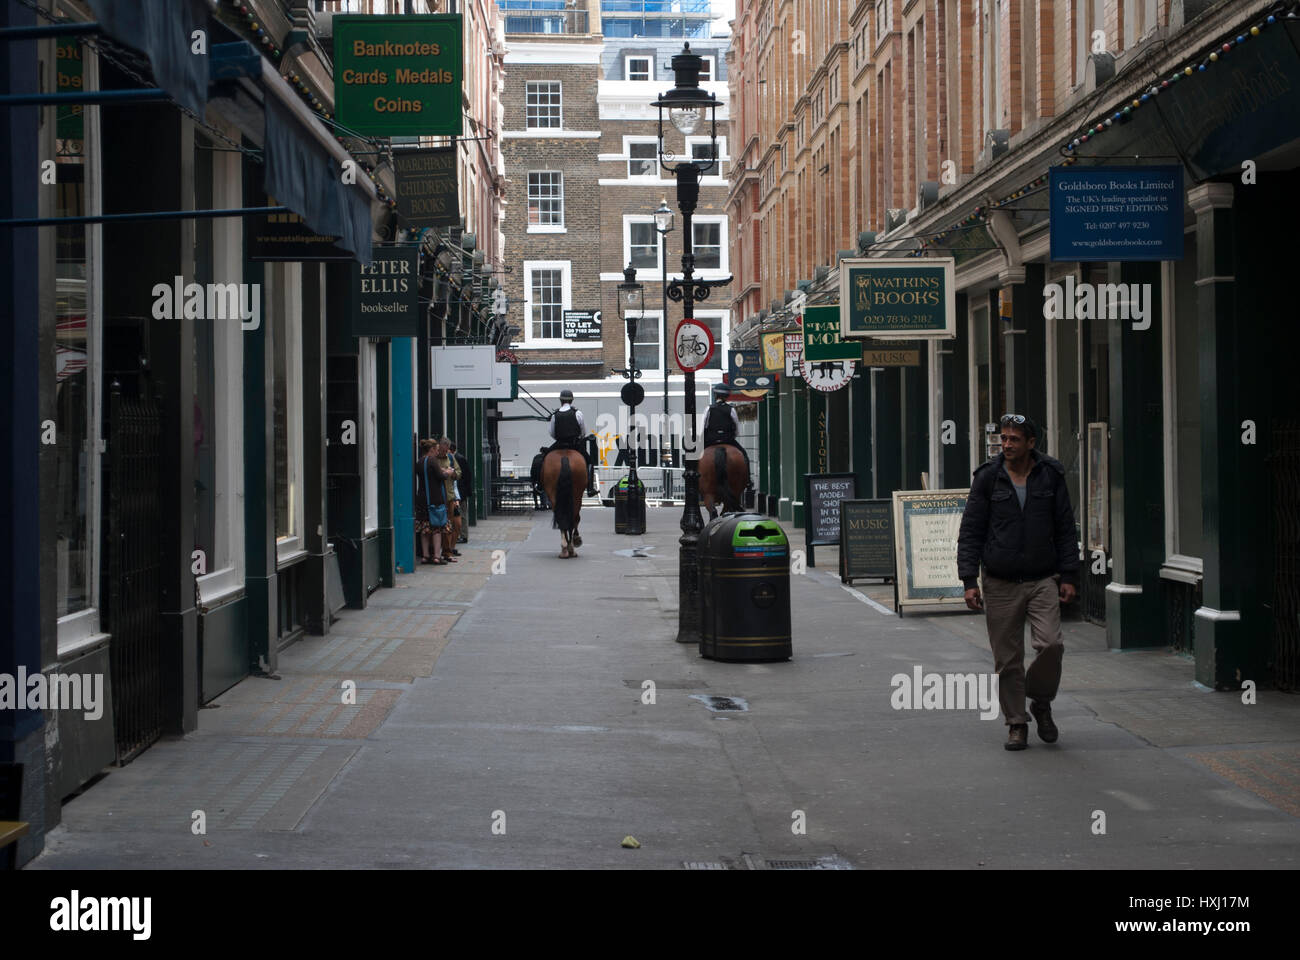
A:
(1019, 526)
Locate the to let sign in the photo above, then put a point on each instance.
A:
(898, 297)
(582, 325)
(426, 187)
(386, 294)
(1117, 213)
(821, 335)
(398, 75)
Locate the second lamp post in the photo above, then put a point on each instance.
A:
(687, 105)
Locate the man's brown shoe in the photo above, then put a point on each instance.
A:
(1017, 736)
(1042, 711)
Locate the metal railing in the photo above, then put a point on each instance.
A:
(661, 483)
(542, 17)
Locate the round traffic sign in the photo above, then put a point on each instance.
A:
(694, 345)
(633, 394)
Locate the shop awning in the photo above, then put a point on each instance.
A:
(1234, 102)
(163, 30)
(304, 163)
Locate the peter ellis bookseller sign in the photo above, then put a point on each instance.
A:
(398, 75)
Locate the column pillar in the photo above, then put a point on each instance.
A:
(403, 455)
(312, 583)
(1134, 616)
(1220, 646)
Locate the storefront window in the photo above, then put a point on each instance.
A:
(1064, 443)
(74, 398)
(205, 481)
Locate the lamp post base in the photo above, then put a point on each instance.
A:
(688, 560)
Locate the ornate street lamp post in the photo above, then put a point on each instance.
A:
(663, 227)
(687, 104)
(631, 306)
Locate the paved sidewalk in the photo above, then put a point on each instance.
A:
(499, 722)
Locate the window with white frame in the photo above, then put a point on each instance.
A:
(715, 321)
(369, 358)
(640, 68)
(542, 104)
(643, 158)
(546, 297)
(649, 340)
(545, 198)
(992, 67)
(641, 243)
(706, 241)
(702, 149)
(284, 294)
(706, 69)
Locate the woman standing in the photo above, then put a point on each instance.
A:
(450, 473)
(431, 496)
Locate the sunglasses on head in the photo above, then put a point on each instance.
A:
(1012, 418)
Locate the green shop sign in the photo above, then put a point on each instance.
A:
(398, 75)
(898, 297)
(821, 335)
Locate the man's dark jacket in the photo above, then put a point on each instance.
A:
(1015, 544)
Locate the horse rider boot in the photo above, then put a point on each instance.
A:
(569, 429)
(721, 425)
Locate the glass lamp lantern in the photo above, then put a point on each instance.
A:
(687, 105)
(630, 300)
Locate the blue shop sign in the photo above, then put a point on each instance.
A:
(1117, 213)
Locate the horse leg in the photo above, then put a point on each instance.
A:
(577, 537)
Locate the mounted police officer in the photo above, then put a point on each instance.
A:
(569, 430)
(721, 424)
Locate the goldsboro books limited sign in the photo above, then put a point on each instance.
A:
(897, 297)
(398, 75)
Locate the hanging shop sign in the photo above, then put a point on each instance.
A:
(745, 370)
(899, 297)
(505, 385)
(284, 236)
(426, 191)
(582, 325)
(398, 75)
(693, 344)
(926, 524)
(891, 358)
(793, 354)
(773, 352)
(463, 368)
(821, 335)
(827, 375)
(386, 294)
(1116, 213)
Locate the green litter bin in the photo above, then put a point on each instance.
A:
(744, 561)
(629, 507)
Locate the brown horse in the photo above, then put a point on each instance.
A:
(722, 478)
(564, 478)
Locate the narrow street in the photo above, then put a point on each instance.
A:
(515, 700)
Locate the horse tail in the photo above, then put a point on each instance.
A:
(563, 505)
(722, 490)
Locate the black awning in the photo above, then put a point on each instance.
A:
(303, 176)
(163, 30)
(303, 160)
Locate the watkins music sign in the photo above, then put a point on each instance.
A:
(898, 297)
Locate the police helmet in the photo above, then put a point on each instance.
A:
(721, 391)
(566, 396)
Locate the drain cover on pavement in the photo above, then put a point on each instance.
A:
(639, 552)
(719, 704)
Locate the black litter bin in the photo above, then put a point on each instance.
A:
(744, 563)
(629, 507)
